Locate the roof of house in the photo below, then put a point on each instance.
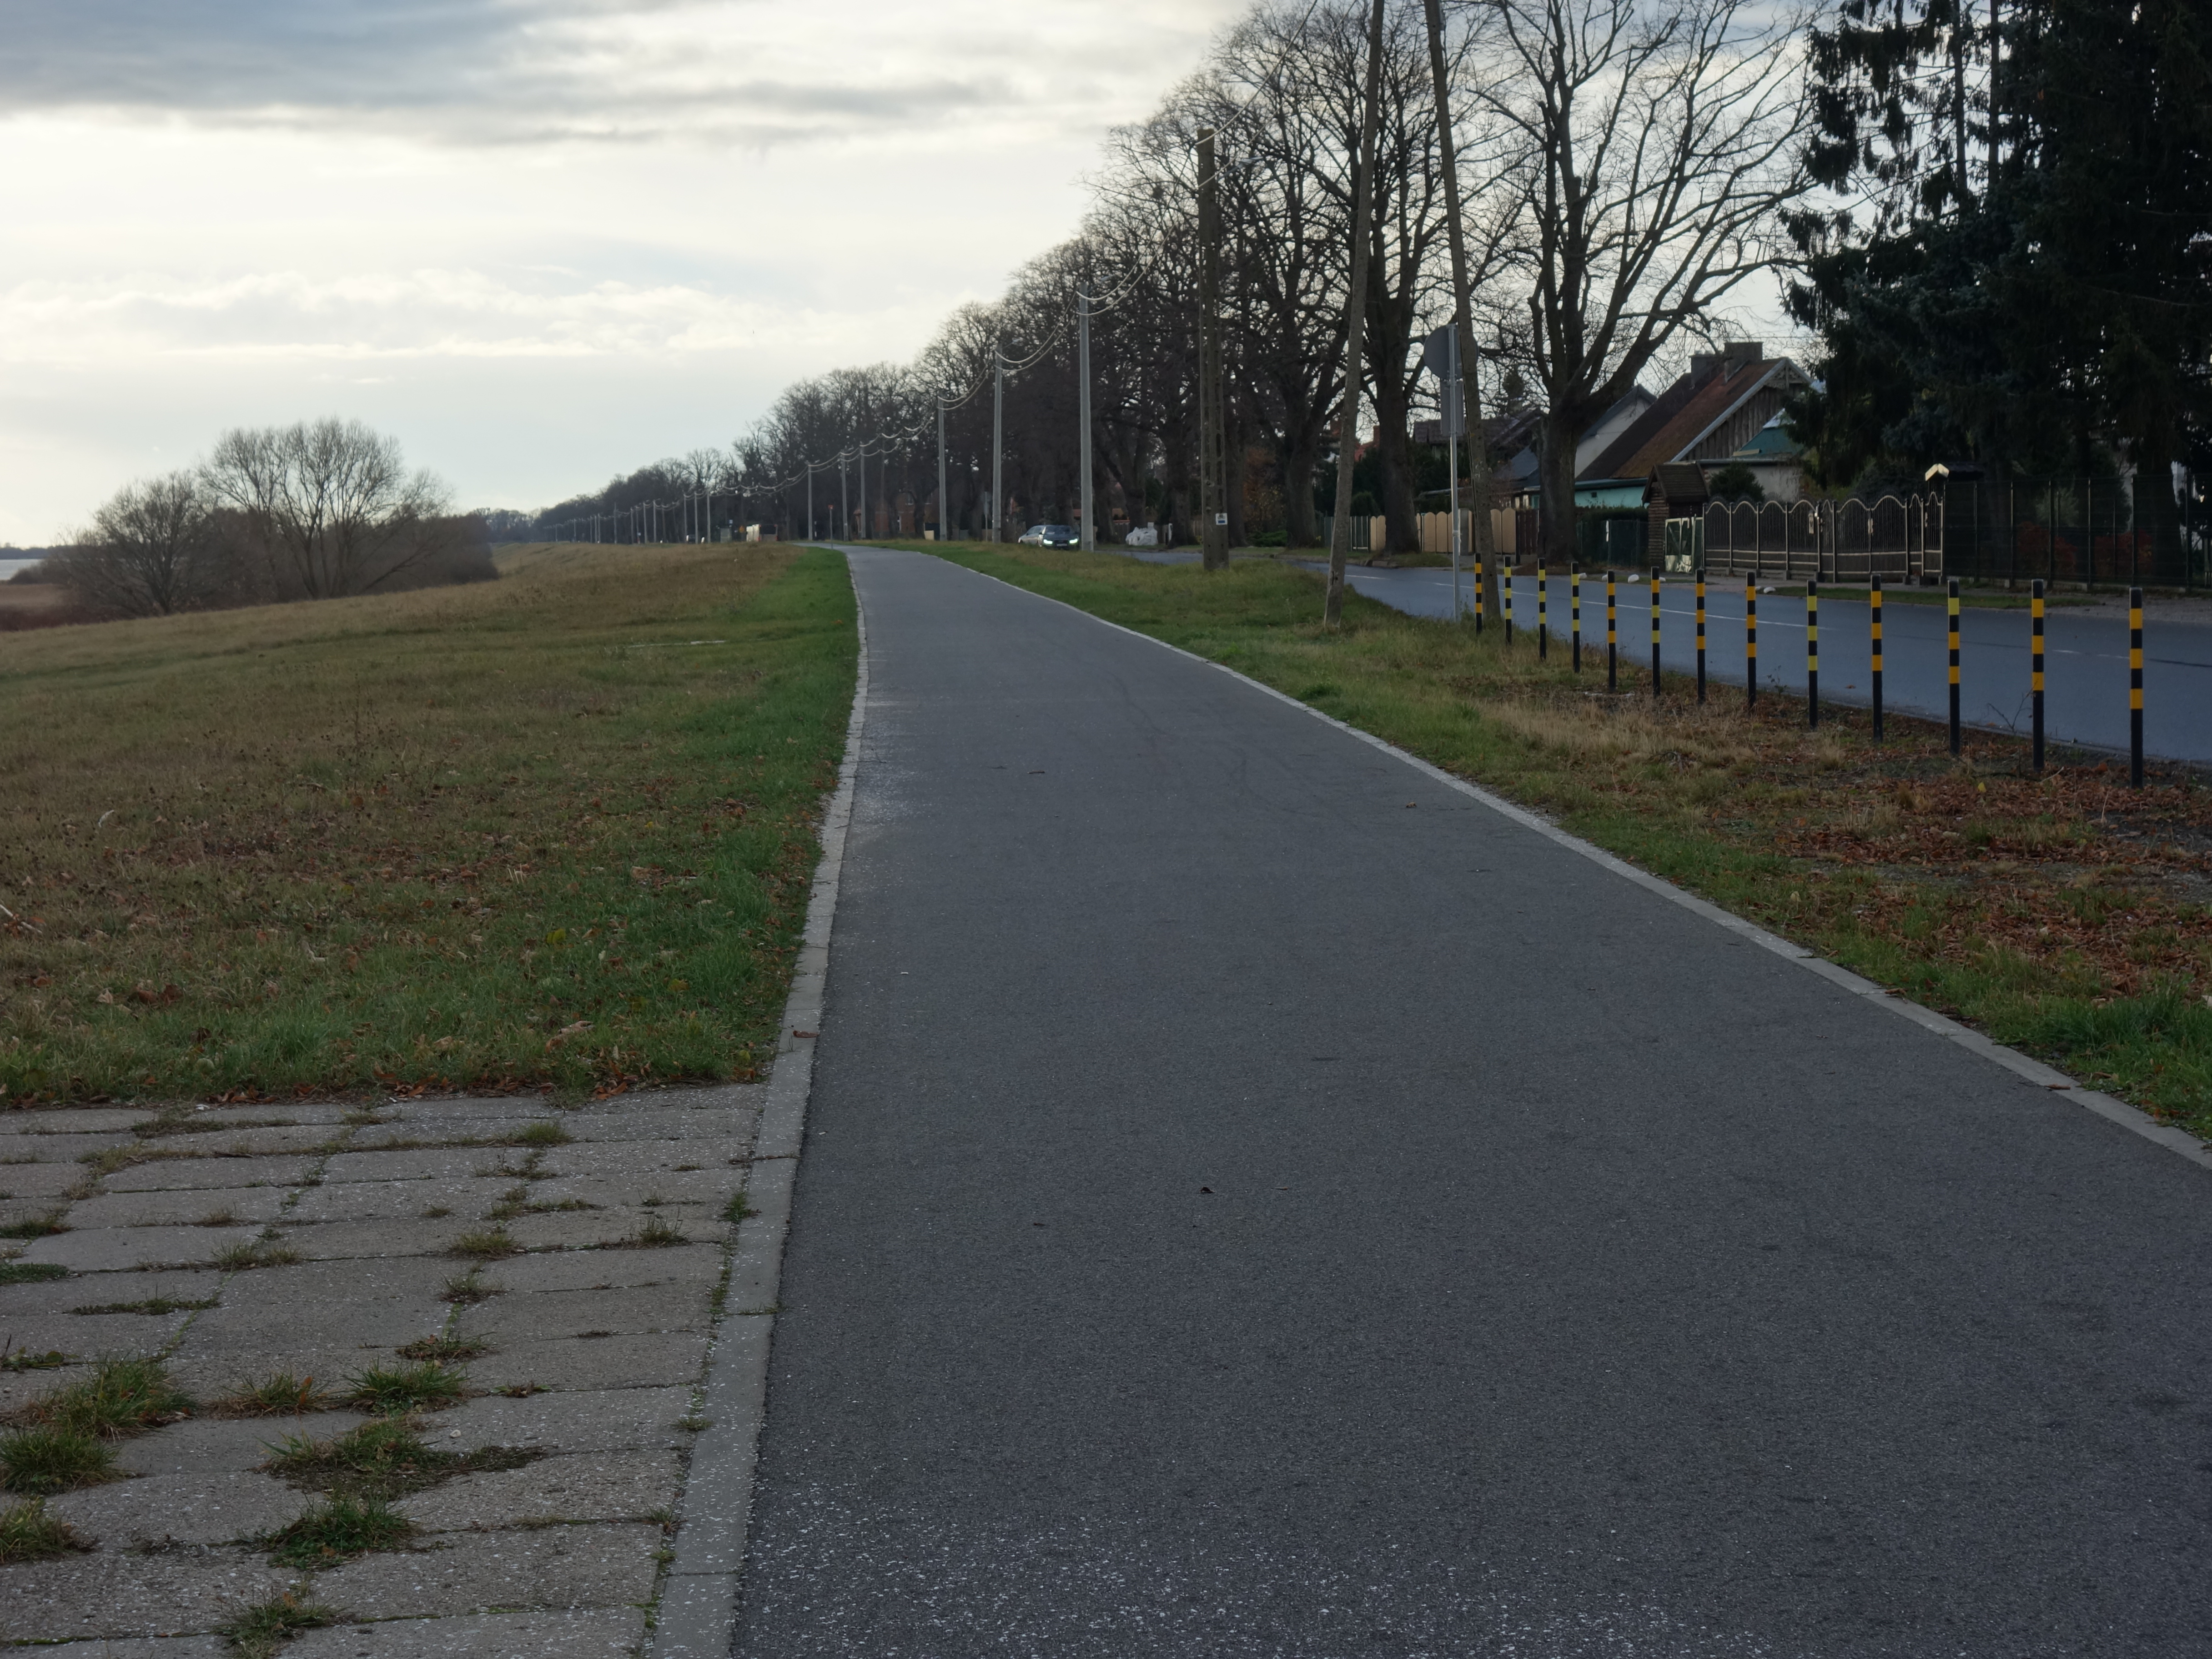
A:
(1715, 388)
(1769, 443)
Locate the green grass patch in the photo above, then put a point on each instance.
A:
(383, 1460)
(445, 1349)
(554, 830)
(337, 1531)
(278, 1395)
(392, 1390)
(30, 1272)
(2064, 912)
(262, 1630)
(121, 1397)
(50, 1460)
(27, 1533)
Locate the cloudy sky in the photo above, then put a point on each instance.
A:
(539, 241)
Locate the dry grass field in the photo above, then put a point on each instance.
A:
(552, 832)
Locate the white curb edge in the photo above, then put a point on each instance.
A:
(2131, 1118)
(698, 1607)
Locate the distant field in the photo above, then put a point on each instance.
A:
(550, 832)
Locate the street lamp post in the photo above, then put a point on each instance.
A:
(998, 445)
(1082, 402)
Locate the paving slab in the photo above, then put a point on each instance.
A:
(65, 1295)
(274, 1324)
(605, 1419)
(423, 1163)
(226, 1445)
(712, 1188)
(608, 1157)
(544, 1315)
(685, 1125)
(225, 1370)
(101, 1337)
(599, 1270)
(609, 1565)
(113, 1593)
(660, 1360)
(152, 1647)
(34, 1181)
(20, 1389)
(168, 1173)
(40, 1148)
(595, 1633)
(244, 1142)
(633, 1484)
(613, 1227)
(179, 1207)
(201, 1508)
(346, 1241)
(390, 1200)
(109, 1249)
(69, 1120)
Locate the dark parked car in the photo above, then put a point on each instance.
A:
(1051, 535)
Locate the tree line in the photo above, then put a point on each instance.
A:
(321, 509)
(1996, 222)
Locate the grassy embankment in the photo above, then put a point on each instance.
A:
(551, 832)
(2067, 914)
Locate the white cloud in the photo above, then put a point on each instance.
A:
(540, 239)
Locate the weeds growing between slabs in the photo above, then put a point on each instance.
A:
(553, 832)
(2067, 914)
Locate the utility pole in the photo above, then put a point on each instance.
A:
(809, 500)
(998, 444)
(1212, 445)
(844, 495)
(1082, 402)
(1463, 331)
(943, 500)
(1355, 318)
(863, 460)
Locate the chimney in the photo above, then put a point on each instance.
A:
(1703, 365)
(1742, 354)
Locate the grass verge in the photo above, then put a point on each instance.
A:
(2064, 913)
(553, 832)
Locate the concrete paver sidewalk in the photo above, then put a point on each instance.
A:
(592, 1335)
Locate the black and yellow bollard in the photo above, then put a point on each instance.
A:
(1656, 574)
(1477, 596)
(1543, 612)
(1951, 603)
(1751, 642)
(1812, 653)
(1575, 615)
(1505, 594)
(1874, 606)
(1701, 633)
(2135, 688)
(1612, 634)
(2035, 664)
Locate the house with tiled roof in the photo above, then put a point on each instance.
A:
(1658, 456)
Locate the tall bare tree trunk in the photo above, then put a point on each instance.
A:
(1355, 316)
(1479, 470)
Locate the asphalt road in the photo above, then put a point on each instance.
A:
(2085, 668)
(1258, 1201)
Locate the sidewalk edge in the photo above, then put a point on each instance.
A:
(698, 1603)
(2113, 1111)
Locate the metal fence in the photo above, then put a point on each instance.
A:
(1897, 539)
(2087, 530)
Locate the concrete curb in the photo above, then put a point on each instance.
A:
(698, 1608)
(2137, 1122)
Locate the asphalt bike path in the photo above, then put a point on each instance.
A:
(1258, 1199)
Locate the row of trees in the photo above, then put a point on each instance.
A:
(2002, 232)
(314, 510)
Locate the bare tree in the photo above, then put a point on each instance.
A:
(151, 551)
(330, 505)
(1663, 144)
